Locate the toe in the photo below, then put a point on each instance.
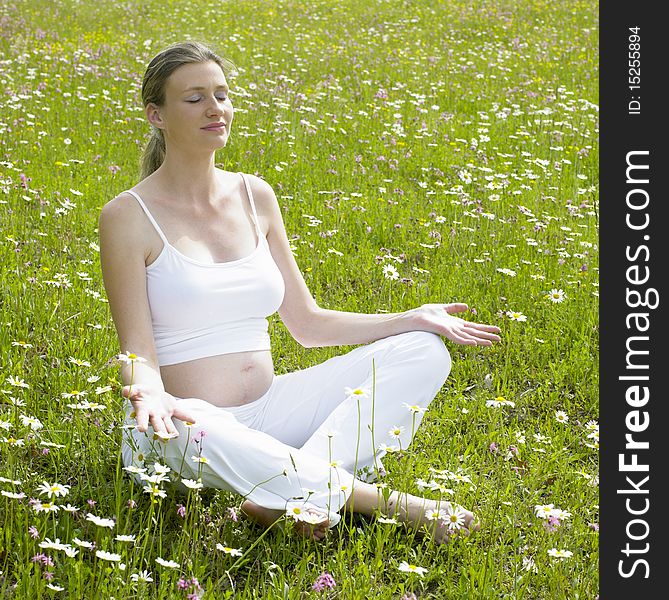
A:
(471, 524)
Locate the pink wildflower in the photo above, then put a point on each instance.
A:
(183, 584)
(232, 514)
(551, 524)
(324, 581)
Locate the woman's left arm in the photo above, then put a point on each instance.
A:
(314, 326)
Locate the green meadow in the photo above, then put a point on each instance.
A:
(422, 151)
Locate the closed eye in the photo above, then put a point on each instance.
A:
(194, 99)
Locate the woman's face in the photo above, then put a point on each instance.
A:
(197, 112)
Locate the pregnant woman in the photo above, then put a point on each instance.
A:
(194, 260)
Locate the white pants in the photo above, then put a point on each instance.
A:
(305, 440)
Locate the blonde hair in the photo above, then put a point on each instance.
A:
(153, 89)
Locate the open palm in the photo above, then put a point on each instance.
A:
(438, 318)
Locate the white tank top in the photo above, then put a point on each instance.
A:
(204, 309)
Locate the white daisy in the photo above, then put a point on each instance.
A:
(110, 556)
(193, 485)
(561, 416)
(13, 495)
(230, 551)
(53, 545)
(543, 511)
(396, 432)
(358, 392)
(436, 514)
(34, 423)
(99, 521)
(556, 295)
(455, 517)
(53, 489)
(414, 408)
(390, 272)
(129, 358)
(516, 316)
(405, 567)
(170, 564)
(387, 520)
(561, 554)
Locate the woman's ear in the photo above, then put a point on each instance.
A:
(153, 115)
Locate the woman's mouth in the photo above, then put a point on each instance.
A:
(214, 127)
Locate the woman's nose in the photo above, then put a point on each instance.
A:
(215, 107)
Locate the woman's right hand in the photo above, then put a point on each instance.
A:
(155, 407)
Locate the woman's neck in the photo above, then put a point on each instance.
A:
(189, 178)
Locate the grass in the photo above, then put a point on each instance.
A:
(455, 141)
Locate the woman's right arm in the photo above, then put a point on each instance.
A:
(123, 253)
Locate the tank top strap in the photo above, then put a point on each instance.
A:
(150, 216)
(261, 235)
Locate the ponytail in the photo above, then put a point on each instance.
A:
(154, 153)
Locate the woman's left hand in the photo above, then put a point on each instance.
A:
(438, 318)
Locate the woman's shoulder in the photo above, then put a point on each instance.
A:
(263, 193)
(123, 215)
(121, 206)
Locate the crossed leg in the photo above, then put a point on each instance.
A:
(411, 368)
(290, 454)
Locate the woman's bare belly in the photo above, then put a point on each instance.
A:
(223, 380)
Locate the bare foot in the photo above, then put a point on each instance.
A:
(442, 519)
(312, 523)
